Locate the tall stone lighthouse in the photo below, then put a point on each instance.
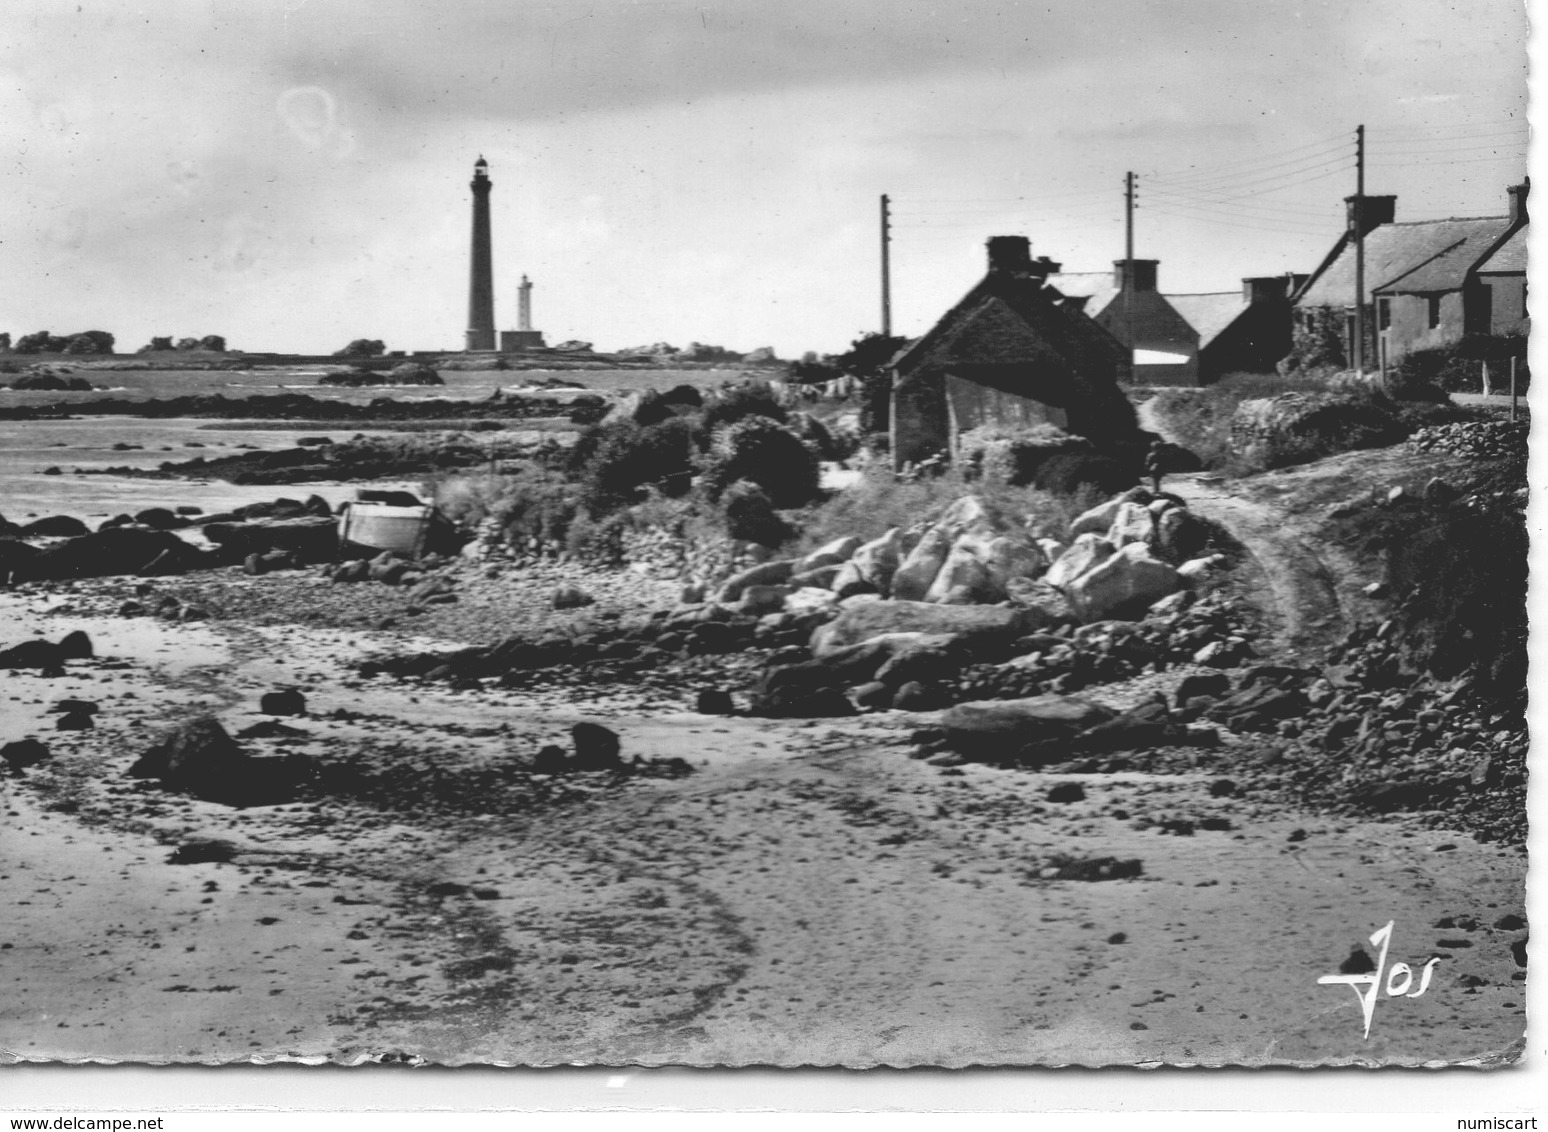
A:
(481, 323)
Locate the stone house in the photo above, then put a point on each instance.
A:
(1427, 284)
(1013, 352)
(1185, 339)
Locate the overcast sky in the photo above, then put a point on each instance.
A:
(294, 174)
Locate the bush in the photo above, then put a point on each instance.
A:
(363, 348)
(768, 454)
(40, 343)
(1013, 455)
(750, 515)
(733, 403)
(656, 407)
(1459, 368)
(618, 461)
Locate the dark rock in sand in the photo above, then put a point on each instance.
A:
(119, 550)
(1358, 963)
(1066, 792)
(310, 537)
(32, 654)
(203, 851)
(551, 759)
(87, 706)
(76, 645)
(287, 701)
(23, 753)
(55, 526)
(1025, 730)
(1509, 923)
(200, 758)
(13, 556)
(1222, 788)
(596, 747)
(74, 721)
(159, 519)
(714, 701)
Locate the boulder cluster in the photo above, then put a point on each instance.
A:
(1124, 555)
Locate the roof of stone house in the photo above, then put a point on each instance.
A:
(1511, 256)
(1091, 290)
(1209, 313)
(1416, 255)
(989, 324)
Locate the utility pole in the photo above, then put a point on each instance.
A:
(1128, 265)
(1359, 223)
(886, 267)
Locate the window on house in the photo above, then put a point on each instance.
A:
(1435, 304)
(1383, 314)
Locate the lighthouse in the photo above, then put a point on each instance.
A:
(481, 320)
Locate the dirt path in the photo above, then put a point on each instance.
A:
(810, 894)
(1302, 603)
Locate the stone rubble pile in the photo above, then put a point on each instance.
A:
(1475, 439)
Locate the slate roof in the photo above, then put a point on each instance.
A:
(1091, 290)
(1511, 256)
(1090, 356)
(1209, 313)
(1417, 255)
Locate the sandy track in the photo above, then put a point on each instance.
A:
(809, 895)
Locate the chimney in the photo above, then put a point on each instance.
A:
(1377, 211)
(1135, 274)
(1265, 288)
(1518, 203)
(1011, 255)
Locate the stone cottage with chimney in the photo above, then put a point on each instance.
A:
(1185, 339)
(1013, 352)
(1428, 283)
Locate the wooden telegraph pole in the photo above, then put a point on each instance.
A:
(886, 266)
(1128, 265)
(1359, 223)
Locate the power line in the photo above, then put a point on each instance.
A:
(1251, 200)
(1220, 173)
(1260, 177)
(1227, 165)
(1456, 149)
(1457, 161)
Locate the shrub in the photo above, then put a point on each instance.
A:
(40, 343)
(5, 340)
(80, 344)
(363, 348)
(733, 403)
(1459, 368)
(750, 515)
(1013, 455)
(656, 407)
(620, 460)
(766, 453)
(212, 342)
